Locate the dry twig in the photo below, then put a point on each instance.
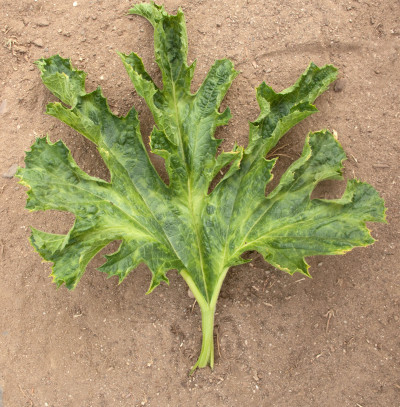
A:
(329, 315)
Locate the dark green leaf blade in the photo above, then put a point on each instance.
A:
(102, 215)
(62, 79)
(288, 225)
(281, 111)
(187, 121)
(184, 132)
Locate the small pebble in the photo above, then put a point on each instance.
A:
(11, 171)
(75, 3)
(190, 294)
(338, 86)
(42, 22)
(38, 42)
(3, 106)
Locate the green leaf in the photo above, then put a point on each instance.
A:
(103, 212)
(287, 225)
(186, 224)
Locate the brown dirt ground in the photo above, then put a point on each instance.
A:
(110, 345)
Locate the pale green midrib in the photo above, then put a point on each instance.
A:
(251, 157)
(127, 176)
(273, 139)
(270, 203)
(255, 154)
(223, 261)
(271, 200)
(138, 192)
(102, 145)
(189, 186)
(242, 247)
(134, 221)
(94, 232)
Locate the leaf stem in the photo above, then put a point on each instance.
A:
(206, 356)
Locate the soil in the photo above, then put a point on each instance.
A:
(332, 340)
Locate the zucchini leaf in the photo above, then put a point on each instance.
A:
(181, 225)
